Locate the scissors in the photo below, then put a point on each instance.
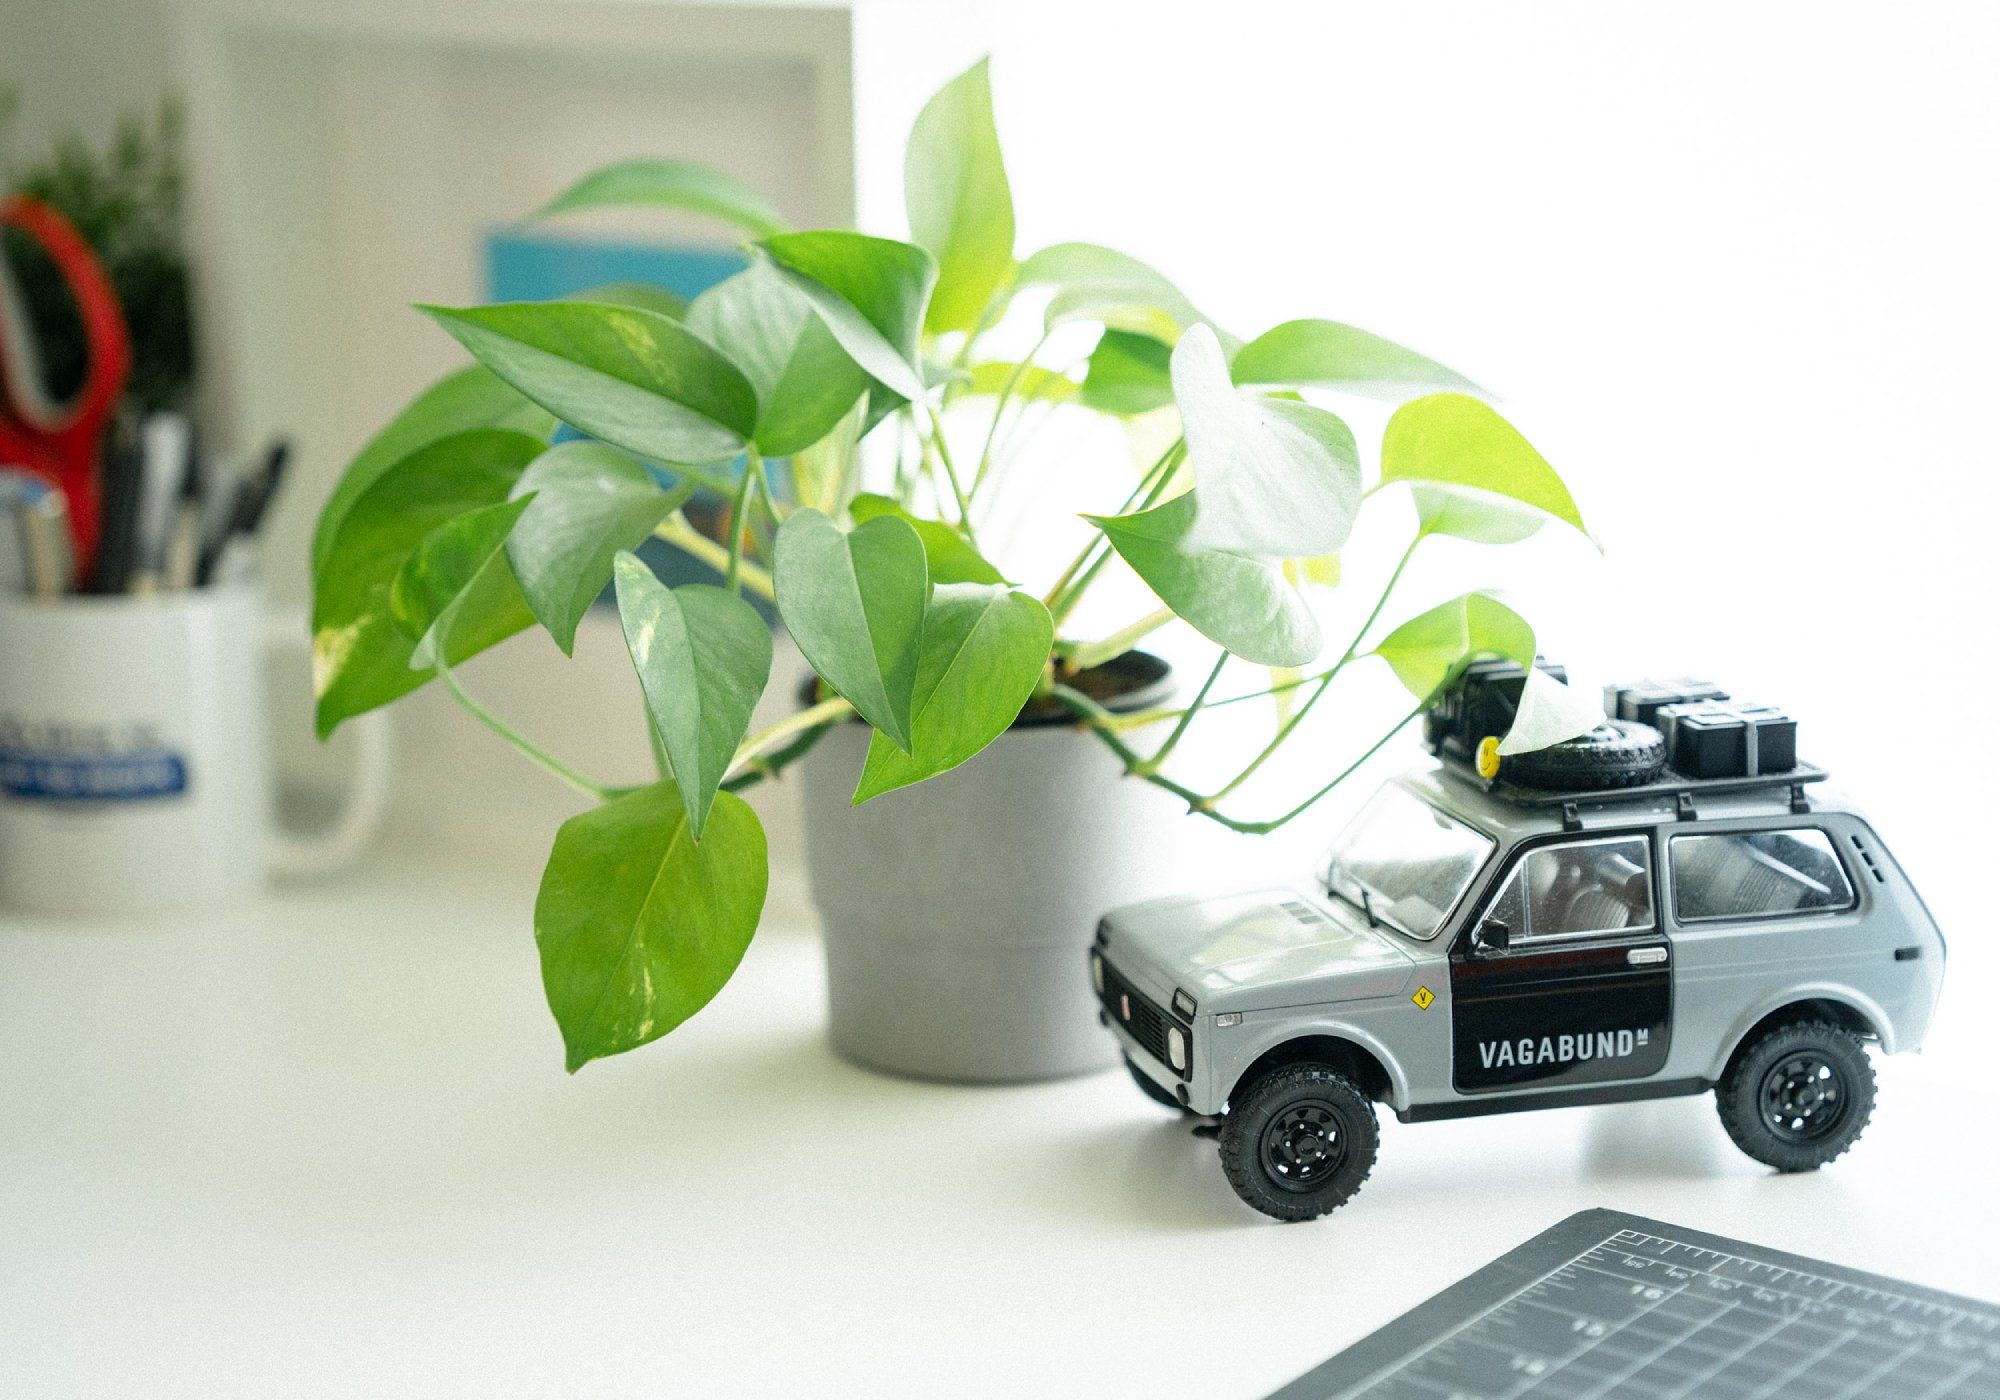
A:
(61, 442)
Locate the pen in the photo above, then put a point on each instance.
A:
(234, 556)
(183, 552)
(165, 445)
(112, 572)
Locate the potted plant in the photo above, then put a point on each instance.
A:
(845, 397)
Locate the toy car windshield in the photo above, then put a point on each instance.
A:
(1403, 862)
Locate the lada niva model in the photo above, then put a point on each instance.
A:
(1475, 944)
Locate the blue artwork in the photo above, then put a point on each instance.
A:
(528, 265)
(523, 265)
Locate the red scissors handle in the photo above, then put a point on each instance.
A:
(63, 442)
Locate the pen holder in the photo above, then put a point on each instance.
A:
(133, 767)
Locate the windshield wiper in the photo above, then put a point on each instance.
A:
(1367, 905)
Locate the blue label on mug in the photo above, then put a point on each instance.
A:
(61, 777)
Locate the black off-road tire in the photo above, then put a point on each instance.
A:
(1265, 1125)
(1618, 753)
(1152, 1090)
(1798, 1095)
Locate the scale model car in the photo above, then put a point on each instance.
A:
(1590, 926)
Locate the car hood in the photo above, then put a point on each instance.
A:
(1272, 947)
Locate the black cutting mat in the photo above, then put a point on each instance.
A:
(1608, 1306)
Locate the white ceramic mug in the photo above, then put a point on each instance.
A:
(133, 766)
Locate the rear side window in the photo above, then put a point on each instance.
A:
(1757, 874)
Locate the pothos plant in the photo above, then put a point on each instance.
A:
(461, 524)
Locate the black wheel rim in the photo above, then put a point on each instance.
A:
(1803, 1097)
(1304, 1145)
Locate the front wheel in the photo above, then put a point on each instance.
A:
(1798, 1096)
(1299, 1141)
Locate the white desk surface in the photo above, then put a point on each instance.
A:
(324, 1146)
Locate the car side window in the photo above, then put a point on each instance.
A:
(1757, 874)
(1578, 888)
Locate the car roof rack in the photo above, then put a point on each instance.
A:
(1682, 789)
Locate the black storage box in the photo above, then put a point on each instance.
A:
(1481, 701)
(1644, 700)
(1728, 739)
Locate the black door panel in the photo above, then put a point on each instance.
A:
(1549, 1016)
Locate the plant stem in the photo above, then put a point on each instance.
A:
(1326, 677)
(1000, 410)
(1153, 484)
(739, 521)
(1261, 828)
(773, 765)
(1095, 716)
(1084, 555)
(1118, 643)
(774, 510)
(661, 763)
(677, 532)
(951, 475)
(1152, 765)
(820, 715)
(556, 766)
(1092, 713)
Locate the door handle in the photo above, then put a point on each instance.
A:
(1646, 957)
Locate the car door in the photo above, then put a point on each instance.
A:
(1582, 993)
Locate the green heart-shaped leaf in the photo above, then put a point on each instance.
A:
(1425, 652)
(591, 502)
(642, 295)
(1276, 477)
(805, 382)
(1329, 355)
(871, 292)
(639, 924)
(951, 559)
(1127, 375)
(636, 379)
(990, 378)
(703, 656)
(1113, 289)
(469, 398)
(960, 208)
(1238, 602)
(459, 569)
(854, 603)
(1462, 447)
(361, 655)
(670, 184)
(1472, 514)
(984, 650)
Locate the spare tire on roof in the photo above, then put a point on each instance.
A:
(1618, 753)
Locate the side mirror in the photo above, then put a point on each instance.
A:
(1492, 936)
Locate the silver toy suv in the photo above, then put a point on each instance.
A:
(1479, 947)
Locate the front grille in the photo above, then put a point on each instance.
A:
(1139, 1014)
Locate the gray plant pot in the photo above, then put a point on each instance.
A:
(958, 912)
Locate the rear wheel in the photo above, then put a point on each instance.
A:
(1299, 1141)
(1151, 1089)
(1798, 1096)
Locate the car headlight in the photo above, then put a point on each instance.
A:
(1177, 1048)
(1097, 973)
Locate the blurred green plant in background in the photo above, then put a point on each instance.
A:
(126, 200)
